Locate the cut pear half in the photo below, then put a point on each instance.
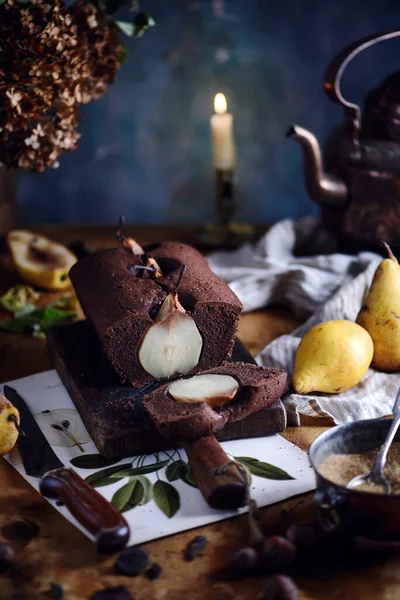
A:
(40, 261)
(214, 389)
(173, 344)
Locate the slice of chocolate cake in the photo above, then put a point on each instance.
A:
(177, 420)
(148, 330)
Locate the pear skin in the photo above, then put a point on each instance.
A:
(332, 357)
(380, 314)
(9, 416)
(39, 261)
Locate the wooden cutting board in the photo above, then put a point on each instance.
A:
(100, 398)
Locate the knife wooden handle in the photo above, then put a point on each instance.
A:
(222, 486)
(94, 513)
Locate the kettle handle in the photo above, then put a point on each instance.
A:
(335, 71)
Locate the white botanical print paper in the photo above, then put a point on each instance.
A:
(157, 493)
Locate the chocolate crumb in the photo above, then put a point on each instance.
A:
(279, 587)
(7, 556)
(117, 592)
(154, 572)
(194, 547)
(56, 592)
(132, 561)
(20, 531)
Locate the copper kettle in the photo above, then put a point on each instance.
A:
(357, 182)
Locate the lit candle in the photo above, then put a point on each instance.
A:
(223, 145)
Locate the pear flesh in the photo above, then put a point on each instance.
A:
(214, 389)
(172, 345)
(380, 314)
(332, 357)
(9, 423)
(39, 261)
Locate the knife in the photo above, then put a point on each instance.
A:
(92, 511)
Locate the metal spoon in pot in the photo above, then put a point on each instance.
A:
(376, 474)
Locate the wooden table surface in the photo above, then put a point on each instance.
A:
(63, 554)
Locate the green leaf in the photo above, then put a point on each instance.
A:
(263, 469)
(126, 27)
(44, 318)
(129, 496)
(141, 23)
(176, 470)
(93, 461)
(166, 497)
(103, 477)
(152, 468)
(147, 486)
(189, 477)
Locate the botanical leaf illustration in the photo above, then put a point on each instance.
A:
(93, 461)
(63, 427)
(263, 469)
(166, 497)
(147, 486)
(176, 470)
(189, 477)
(132, 472)
(129, 495)
(103, 477)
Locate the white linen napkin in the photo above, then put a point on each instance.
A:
(320, 287)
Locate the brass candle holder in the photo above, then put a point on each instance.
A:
(224, 233)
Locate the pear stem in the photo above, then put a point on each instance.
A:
(390, 253)
(118, 233)
(14, 420)
(180, 276)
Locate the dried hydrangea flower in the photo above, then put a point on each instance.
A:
(52, 58)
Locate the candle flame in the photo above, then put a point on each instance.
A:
(220, 104)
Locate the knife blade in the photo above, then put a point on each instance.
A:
(91, 509)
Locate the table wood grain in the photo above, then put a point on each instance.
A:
(62, 554)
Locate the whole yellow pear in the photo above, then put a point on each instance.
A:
(380, 314)
(332, 357)
(9, 424)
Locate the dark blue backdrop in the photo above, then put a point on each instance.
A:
(145, 150)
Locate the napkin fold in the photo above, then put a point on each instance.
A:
(317, 288)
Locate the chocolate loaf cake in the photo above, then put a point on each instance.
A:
(259, 388)
(122, 306)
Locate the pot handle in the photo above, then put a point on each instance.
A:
(328, 501)
(334, 72)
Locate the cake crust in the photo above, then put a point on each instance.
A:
(121, 305)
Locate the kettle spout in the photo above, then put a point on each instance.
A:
(322, 187)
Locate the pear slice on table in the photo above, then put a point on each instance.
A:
(214, 389)
(332, 357)
(39, 261)
(380, 314)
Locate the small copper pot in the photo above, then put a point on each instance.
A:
(370, 520)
